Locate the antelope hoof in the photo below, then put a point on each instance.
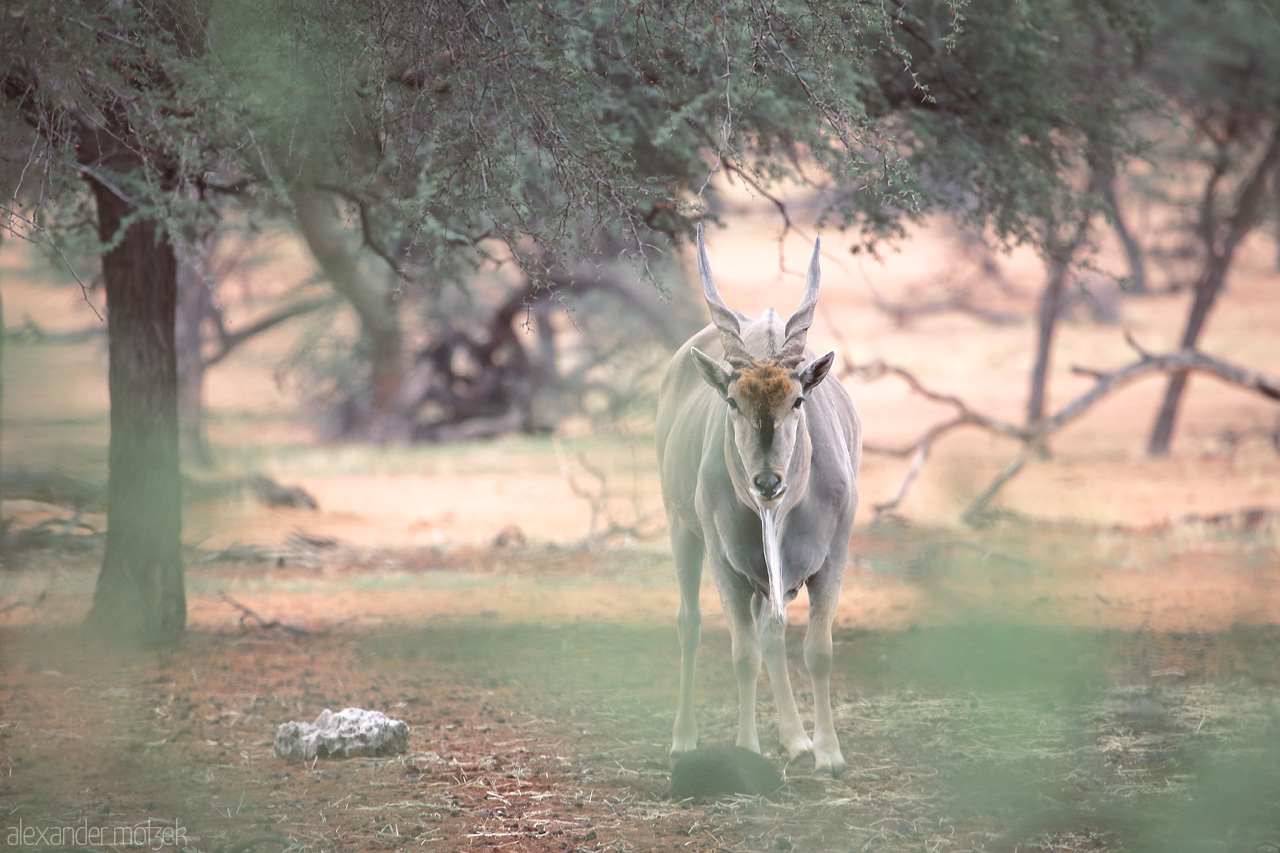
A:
(684, 736)
(681, 746)
(831, 765)
(837, 771)
(797, 746)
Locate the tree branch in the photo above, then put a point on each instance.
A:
(231, 340)
(966, 415)
(1186, 360)
(1032, 436)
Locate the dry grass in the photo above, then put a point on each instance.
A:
(975, 723)
(975, 736)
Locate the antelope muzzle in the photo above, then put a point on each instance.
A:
(768, 485)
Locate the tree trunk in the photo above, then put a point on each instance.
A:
(1220, 249)
(1275, 214)
(1060, 254)
(1050, 306)
(1206, 294)
(189, 318)
(1106, 184)
(13, 161)
(4, 525)
(384, 418)
(139, 600)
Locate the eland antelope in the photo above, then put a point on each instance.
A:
(759, 462)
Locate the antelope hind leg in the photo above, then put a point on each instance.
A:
(688, 549)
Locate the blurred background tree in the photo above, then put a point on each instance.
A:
(1015, 124)
(464, 173)
(1218, 148)
(447, 134)
(565, 146)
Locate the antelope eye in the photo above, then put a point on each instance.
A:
(797, 403)
(733, 404)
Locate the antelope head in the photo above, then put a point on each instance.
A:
(765, 391)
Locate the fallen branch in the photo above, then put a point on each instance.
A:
(978, 513)
(246, 614)
(966, 415)
(53, 488)
(1034, 435)
(919, 452)
(1182, 361)
(920, 448)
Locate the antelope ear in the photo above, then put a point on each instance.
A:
(816, 371)
(712, 371)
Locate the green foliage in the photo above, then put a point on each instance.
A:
(1216, 58)
(1215, 70)
(561, 127)
(556, 127)
(1008, 115)
(120, 94)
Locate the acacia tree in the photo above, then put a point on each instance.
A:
(540, 133)
(443, 127)
(14, 140)
(1016, 124)
(109, 94)
(445, 136)
(1215, 65)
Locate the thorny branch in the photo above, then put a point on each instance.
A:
(726, 126)
(32, 225)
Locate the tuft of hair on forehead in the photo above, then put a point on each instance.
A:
(765, 385)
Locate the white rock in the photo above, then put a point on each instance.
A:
(349, 733)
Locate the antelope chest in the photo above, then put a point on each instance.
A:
(739, 544)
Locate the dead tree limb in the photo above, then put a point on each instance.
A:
(22, 602)
(965, 413)
(1186, 360)
(919, 452)
(1031, 436)
(919, 449)
(1182, 361)
(978, 513)
(247, 615)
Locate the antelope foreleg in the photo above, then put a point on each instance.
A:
(736, 601)
(824, 592)
(773, 639)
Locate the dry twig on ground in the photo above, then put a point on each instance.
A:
(603, 526)
(247, 614)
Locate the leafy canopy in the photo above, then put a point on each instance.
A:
(558, 127)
